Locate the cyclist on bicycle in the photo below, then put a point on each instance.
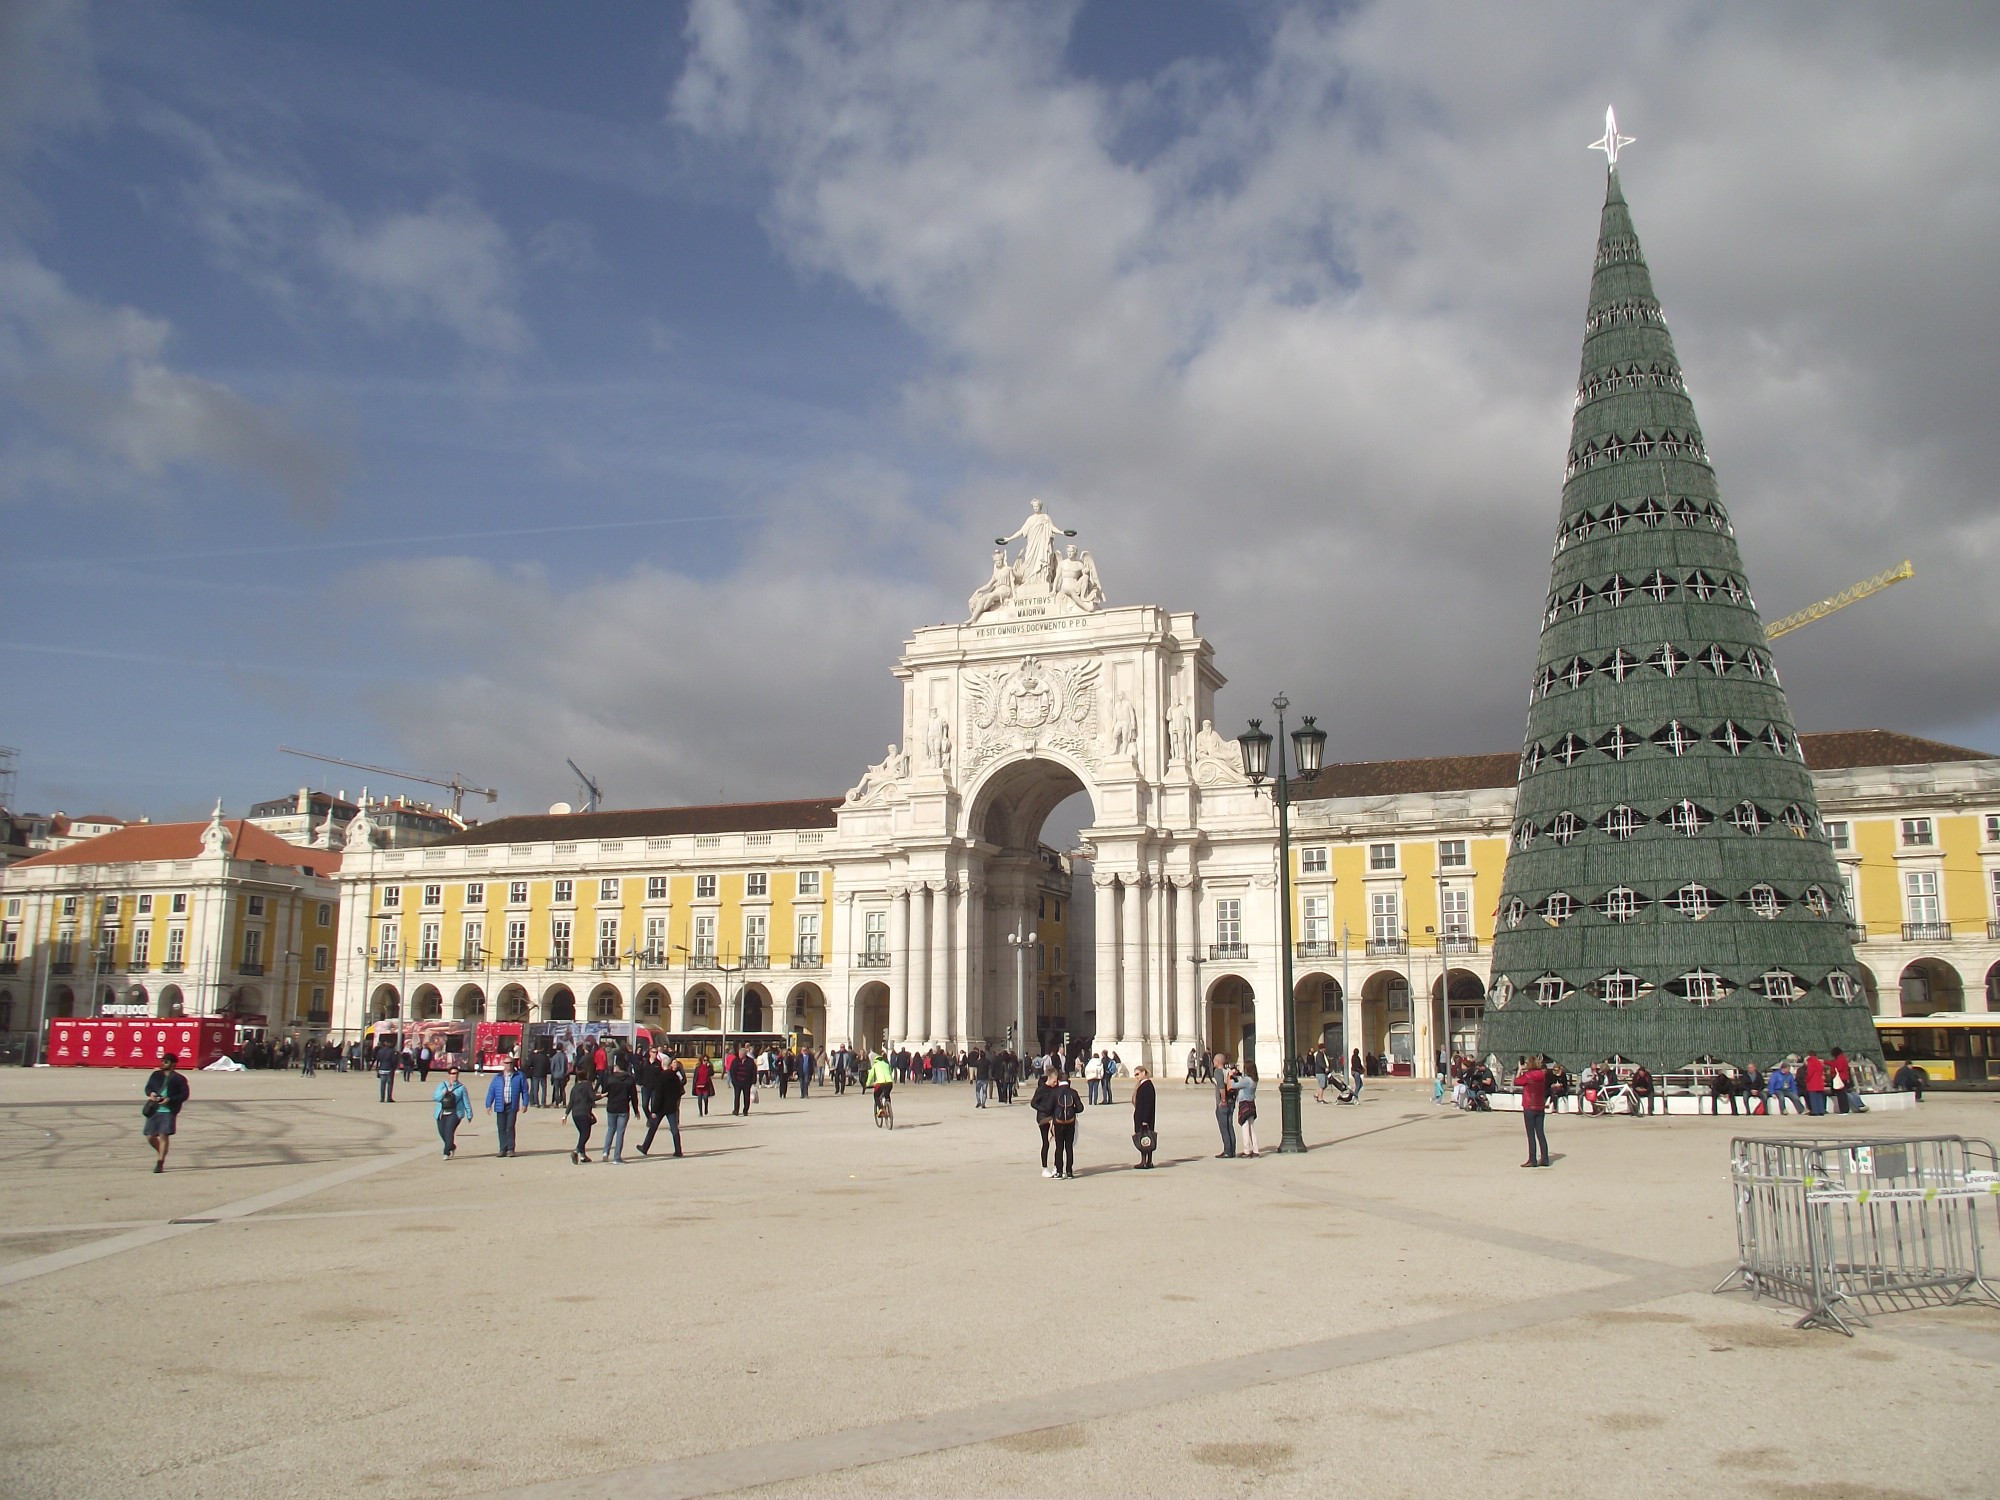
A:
(881, 1079)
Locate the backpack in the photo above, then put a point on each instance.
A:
(1063, 1111)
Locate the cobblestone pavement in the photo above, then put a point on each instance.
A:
(311, 1302)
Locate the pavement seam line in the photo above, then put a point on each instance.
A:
(118, 1244)
(794, 1459)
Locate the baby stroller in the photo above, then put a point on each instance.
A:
(1342, 1090)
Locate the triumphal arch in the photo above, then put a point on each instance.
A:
(1043, 691)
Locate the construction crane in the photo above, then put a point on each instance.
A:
(1825, 607)
(591, 794)
(457, 785)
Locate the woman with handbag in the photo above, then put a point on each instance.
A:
(582, 1096)
(453, 1105)
(1145, 1134)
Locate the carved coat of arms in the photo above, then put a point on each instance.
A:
(1031, 706)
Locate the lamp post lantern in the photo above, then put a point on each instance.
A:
(1308, 751)
(1021, 942)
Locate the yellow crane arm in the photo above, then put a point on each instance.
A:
(1825, 607)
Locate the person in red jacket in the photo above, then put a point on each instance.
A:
(1813, 1076)
(1533, 1082)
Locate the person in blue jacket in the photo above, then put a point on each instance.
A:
(453, 1105)
(506, 1097)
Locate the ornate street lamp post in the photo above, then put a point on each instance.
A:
(1308, 747)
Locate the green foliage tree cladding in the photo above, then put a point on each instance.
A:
(1669, 892)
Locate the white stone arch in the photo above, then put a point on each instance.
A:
(1019, 770)
(701, 1008)
(655, 1005)
(607, 1001)
(558, 1002)
(871, 1014)
(1231, 1006)
(385, 1002)
(468, 1003)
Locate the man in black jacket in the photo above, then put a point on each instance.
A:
(742, 1071)
(387, 1056)
(661, 1085)
(166, 1092)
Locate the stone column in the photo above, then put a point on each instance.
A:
(1132, 961)
(1106, 937)
(970, 1009)
(940, 961)
(1187, 999)
(899, 964)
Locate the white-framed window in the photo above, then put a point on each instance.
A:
(1920, 897)
(650, 1005)
(1839, 834)
(608, 891)
(757, 883)
(1452, 854)
(1994, 878)
(656, 940)
(14, 905)
(875, 932)
(475, 893)
(704, 935)
(656, 887)
(607, 940)
(560, 929)
(1055, 959)
(700, 1004)
(434, 894)
(145, 906)
(1847, 894)
(1918, 833)
(391, 943)
(1312, 860)
(142, 946)
(179, 905)
(704, 887)
(69, 906)
(322, 958)
(809, 884)
(392, 897)
(756, 935)
(1385, 915)
(472, 948)
(325, 914)
(517, 941)
(808, 939)
(253, 947)
(565, 892)
(1457, 911)
(1381, 856)
(517, 893)
(1229, 924)
(429, 940)
(176, 945)
(1993, 828)
(1316, 919)
(65, 946)
(111, 906)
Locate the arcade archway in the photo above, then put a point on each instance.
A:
(559, 1003)
(1232, 1020)
(753, 1008)
(606, 1003)
(469, 1004)
(702, 1009)
(805, 1014)
(1319, 1014)
(1930, 985)
(513, 1003)
(871, 1016)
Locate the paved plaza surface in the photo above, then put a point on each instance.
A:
(310, 1302)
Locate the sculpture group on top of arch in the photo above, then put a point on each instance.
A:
(1046, 578)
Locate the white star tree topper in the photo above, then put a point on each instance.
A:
(1610, 142)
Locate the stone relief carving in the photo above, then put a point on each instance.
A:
(1216, 761)
(360, 828)
(1179, 731)
(879, 778)
(1032, 706)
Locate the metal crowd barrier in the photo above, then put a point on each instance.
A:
(1845, 1228)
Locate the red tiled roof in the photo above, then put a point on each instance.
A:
(138, 842)
(1834, 750)
(650, 822)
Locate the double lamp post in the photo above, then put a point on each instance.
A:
(1309, 748)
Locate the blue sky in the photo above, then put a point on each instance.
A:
(465, 388)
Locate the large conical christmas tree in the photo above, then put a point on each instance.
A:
(1669, 894)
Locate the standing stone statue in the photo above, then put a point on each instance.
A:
(1178, 729)
(1035, 569)
(937, 740)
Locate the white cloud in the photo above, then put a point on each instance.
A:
(120, 417)
(448, 264)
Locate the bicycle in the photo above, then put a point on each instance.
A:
(885, 1114)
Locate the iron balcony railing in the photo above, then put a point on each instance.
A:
(1319, 950)
(808, 961)
(428, 965)
(705, 962)
(467, 965)
(604, 963)
(1387, 947)
(251, 967)
(1459, 942)
(562, 963)
(386, 961)
(137, 966)
(173, 966)
(1229, 950)
(1993, 929)
(1927, 932)
(514, 961)
(758, 960)
(62, 966)
(871, 960)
